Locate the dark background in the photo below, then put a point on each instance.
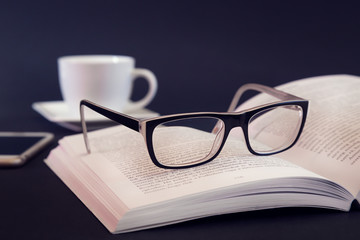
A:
(201, 52)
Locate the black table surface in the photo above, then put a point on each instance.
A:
(201, 52)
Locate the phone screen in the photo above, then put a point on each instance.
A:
(14, 145)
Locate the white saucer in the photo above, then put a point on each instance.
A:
(58, 112)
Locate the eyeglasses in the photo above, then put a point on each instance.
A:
(191, 139)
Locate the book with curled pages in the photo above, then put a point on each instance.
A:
(127, 192)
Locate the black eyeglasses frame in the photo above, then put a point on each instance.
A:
(230, 119)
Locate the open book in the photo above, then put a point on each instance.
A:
(127, 192)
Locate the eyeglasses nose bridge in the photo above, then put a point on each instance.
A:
(237, 120)
(222, 129)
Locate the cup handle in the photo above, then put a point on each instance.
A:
(153, 85)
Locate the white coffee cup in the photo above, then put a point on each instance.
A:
(104, 79)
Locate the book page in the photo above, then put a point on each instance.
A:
(330, 142)
(119, 156)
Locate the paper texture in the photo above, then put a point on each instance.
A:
(120, 158)
(330, 142)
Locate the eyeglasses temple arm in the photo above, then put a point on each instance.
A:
(260, 88)
(123, 119)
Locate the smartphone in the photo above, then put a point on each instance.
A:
(18, 147)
